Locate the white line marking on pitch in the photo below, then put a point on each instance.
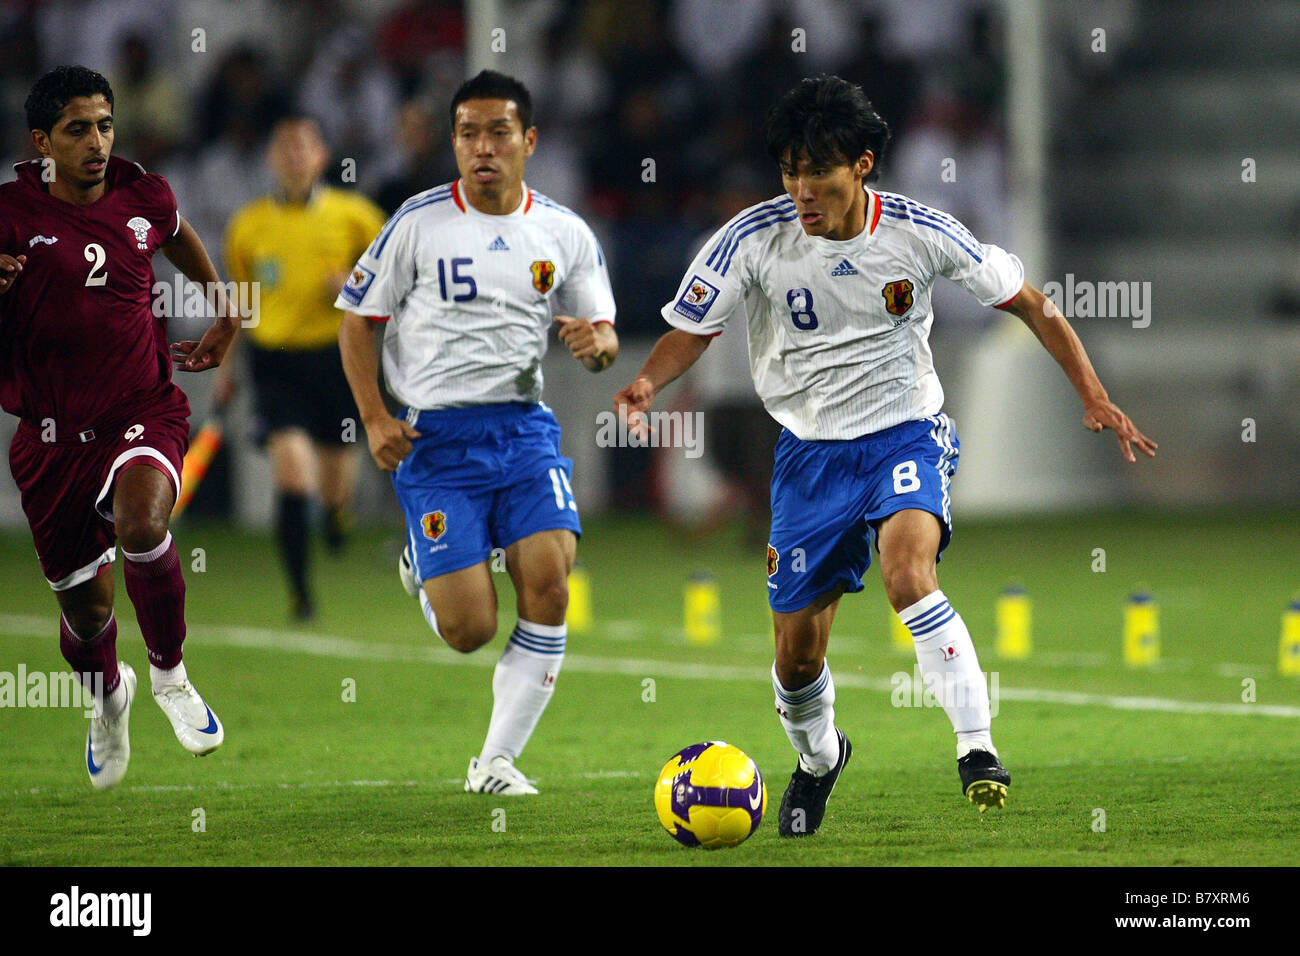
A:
(329, 645)
(325, 784)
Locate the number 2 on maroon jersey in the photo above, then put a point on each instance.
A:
(95, 254)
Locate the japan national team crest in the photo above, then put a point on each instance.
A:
(140, 226)
(773, 559)
(435, 525)
(543, 275)
(898, 296)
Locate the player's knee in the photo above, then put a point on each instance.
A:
(797, 663)
(548, 599)
(467, 634)
(907, 582)
(141, 531)
(89, 620)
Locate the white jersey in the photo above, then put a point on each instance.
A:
(838, 330)
(470, 297)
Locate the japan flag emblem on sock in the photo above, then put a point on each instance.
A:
(949, 651)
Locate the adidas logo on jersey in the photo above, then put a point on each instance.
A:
(498, 245)
(845, 268)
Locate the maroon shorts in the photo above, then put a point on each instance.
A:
(67, 484)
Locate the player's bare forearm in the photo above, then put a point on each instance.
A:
(673, 354)
(361, 364)
(186, 252)
(1061, 342)
(389, 438)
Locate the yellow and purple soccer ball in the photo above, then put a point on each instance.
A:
(710, 795)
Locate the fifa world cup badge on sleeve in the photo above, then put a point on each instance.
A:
(694, 303)
(354, 290)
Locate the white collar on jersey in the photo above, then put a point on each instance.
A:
(462, 202)
(838, 246)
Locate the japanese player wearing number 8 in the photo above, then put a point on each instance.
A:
(84, 364)
(467, 279)
(835, 278)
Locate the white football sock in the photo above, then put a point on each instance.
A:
(944, 649)
(808, 716)
(158, 677)
(522, 686)
(427, 608)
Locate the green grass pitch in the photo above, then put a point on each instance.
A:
(1182, 769)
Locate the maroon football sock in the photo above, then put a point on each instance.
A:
(157, 589)
(94, 659)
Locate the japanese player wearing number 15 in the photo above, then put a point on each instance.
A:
(468, 278)
(835, 278)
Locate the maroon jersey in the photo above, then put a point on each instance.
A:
(79, 342)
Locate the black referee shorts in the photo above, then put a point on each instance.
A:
(302, 388)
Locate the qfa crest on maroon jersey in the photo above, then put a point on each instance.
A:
(435, 525)
(543, 275)
(140, 226)
(898, 296)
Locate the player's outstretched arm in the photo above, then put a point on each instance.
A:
(673, 354)
(389, 438)
(1054, 332)
(185, 251)
(595, 345)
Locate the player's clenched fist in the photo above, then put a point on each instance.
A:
(9, 269)
(389, 439)
(594, 345)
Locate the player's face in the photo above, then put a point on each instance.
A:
(80, 142)
(829, 197)
(298, 155)
(491, 147)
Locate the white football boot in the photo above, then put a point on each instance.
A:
(196, 726)
(108, 745)
(406, 572)
(498, 776)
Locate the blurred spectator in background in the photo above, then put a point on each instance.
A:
(153, 119)
(241, 104)
(354, 94)
(423, 157)
(424, 42)
(298, 244)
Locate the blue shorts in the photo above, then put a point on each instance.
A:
(480, 478)
(829, 496)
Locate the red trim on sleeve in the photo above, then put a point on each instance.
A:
(378, 318)
(714, 335)
(1003, 305)
(455, 195)
(529, 203)
(603, 322)
(875, 217)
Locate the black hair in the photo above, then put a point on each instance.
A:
(299, 116)
(829, 121)
(491, 85)
(57, 88)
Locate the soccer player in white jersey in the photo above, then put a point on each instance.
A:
(468, 279)
(835, 278)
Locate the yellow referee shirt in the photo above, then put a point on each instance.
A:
(299, 254)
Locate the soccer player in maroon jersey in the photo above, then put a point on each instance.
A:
(85, 365)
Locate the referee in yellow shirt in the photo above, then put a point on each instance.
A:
(299, 245)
